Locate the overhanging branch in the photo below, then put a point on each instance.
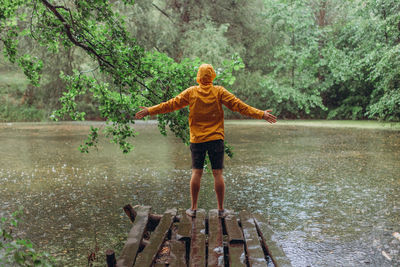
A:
(68, 27)
(163, 12)
(89, 49)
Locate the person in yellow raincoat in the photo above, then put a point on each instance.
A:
(206, 123)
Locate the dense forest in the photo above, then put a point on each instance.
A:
(304, 59)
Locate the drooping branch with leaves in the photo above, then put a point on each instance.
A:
(124, 75)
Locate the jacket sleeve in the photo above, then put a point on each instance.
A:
(178, 102)
(235, 104)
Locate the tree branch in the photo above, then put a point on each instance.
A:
(163, 12)
(67, 28)
(89, 49)
(63, 7)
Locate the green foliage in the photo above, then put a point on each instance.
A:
(362, 63)
(31, 67)
(292, 89)
(387, 108)
(208, 42)
(385, 103)
(288, 101)
(91, 141)
(12, 112)
(15, 251)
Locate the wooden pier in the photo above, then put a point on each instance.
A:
(172, 239)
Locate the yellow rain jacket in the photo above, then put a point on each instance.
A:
(206, 116)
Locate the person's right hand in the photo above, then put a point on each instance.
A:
(269, 117)
(143, 113)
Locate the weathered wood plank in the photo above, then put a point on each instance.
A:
(178, 254)
(275, 251)
(148, 255)
(215, 246)
(255, 252)
(128, 254)
(130, 212)
(252, 243)
(236, 254)
(198, 242)
(184, 228)
(233, 230)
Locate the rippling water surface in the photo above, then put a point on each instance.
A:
(332, 195)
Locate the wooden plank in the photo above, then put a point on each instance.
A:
(198, 241)
(254, 250)
(236, 253)
(184, 228)
(149, 253)
(178, 254)
(128, 254)
(233, 230)
(268, 239)
(215, 246)
(130, 212)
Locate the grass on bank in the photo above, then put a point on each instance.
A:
(303, 123)
(12, 87)
(364, 124)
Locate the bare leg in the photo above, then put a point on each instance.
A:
(219, 186)
(195, 186)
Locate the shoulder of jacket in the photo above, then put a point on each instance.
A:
(219, 88)
(187, 90)
(190, 91)
(191, 88)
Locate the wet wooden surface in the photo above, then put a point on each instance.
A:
(236, 255)
(184, 228)
(201, 241)
(149, 253)
(198, 241)
(234, 232)
(215, 236)
(135, 236)
(177, 254)
(254, 250)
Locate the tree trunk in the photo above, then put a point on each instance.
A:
(321, 21)
(294, 59)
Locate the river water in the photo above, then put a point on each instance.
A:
(331, 194)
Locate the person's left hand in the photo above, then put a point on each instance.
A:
(143, 113)
(269, 117)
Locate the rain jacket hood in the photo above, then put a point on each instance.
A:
(205, 75)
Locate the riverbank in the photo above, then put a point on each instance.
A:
(367, 124)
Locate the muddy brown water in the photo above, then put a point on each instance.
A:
(331, 194)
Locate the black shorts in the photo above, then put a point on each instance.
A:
(215, 151)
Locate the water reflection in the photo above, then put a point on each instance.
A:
(330, 194)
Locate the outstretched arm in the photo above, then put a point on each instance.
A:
(173, 104)
(235, 104)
